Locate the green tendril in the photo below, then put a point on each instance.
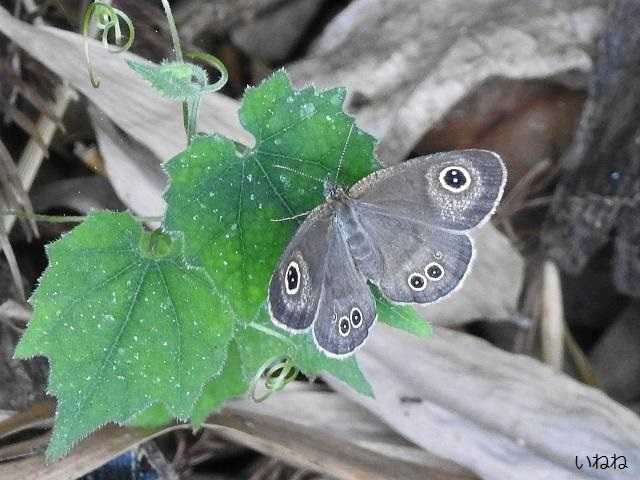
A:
(191, 107)
(106, 19)
(278, 372)
(177, 47)
(214, 62)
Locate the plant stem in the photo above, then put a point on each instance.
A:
(177, 48)
(61, 218)
(46, 218)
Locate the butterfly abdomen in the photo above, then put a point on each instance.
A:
(358, 241)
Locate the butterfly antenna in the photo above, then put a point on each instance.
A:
(298, 172)
(344, 149)
(303, 214)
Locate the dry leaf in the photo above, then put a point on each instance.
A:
(599, 193)
(134, 171)
(123, 96)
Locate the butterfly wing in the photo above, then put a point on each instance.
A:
(451, 190)
(294, 290)
(412, 262)
(415, 217)
(346, 308)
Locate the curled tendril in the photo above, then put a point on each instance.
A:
(106, 19)
(214, 62)
(279, 372)
(190, 108)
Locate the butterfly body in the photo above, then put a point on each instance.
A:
(404, 229)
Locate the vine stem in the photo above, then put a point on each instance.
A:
(187, 110)
(174, 31)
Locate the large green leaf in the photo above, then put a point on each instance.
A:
(137, 326)
(126, 321)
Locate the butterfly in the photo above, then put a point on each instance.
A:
(404, 228)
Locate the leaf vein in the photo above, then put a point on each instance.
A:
(288, 127)
(99, 376)
(298, 159)
(243, 280)
(277, 193)
(178, 324)
(83, 296)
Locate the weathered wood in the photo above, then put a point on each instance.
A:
(407, 62)
(315, 429)
(504, 416)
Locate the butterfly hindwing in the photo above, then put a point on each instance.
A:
(452, 190)
(346, 310)
(413, 263)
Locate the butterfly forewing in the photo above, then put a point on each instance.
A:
(451, 190)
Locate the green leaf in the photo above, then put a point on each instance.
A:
(174, 80)
(403, 317)
(126, 322)
(231, 382)
(153, 417)
(251, 350)
(312, 362)
(227, 199)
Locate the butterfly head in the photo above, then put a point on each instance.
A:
(333, 191)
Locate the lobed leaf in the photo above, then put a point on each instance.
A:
(126, 321)
(139, 327)
(229, 383)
